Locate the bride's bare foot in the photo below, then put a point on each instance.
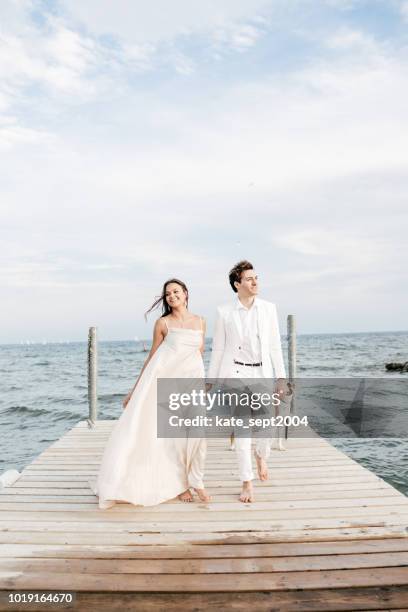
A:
(262, 467)
(203, 495)
(186, 496)
(247, 494)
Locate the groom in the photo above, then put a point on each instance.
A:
(246, 344)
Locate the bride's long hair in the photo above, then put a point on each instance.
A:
(166, 309)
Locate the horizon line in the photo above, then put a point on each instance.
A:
(44, 342)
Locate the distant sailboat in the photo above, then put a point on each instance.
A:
(145, 349)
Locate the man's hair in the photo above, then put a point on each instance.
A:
(236, 272)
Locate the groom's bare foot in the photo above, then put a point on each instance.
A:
(203, 495)
(186, 496)
(247, 494)
(262, 467)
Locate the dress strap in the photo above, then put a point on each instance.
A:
(166, 323)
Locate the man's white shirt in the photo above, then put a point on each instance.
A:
(249, 350)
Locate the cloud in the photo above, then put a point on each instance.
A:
(136, 21)
(139, 57)
(58, 63)
(71, 66)
(182, 64)
(335, 245)
(132, 155)
(343, 5)
(236, 37)
(404, 10)
(347, 39)
(311, 125)
(12, 135)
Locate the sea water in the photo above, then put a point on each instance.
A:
(43, 390)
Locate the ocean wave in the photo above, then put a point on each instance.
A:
(67, 415)
(54, 415)
(25, 410)
(69, 400)
(111, 396)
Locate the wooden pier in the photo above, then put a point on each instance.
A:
(323, 534)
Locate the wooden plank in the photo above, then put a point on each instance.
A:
(162, 527)
(94, 440)
(317, 600)
(219, 494)
(228, 460)
(383, 576)
(200, 551)
(204, 551)
(204, 513)
(264, 488)
(294, 474)
(312, 455)
(206, 566)
(85, 462)
(215, 506)
(231, 480)
(213, 452)
(292, 454)
(304, 534)
(23, 495)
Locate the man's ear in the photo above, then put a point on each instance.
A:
(236, 284)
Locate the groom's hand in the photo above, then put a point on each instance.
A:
(281, 387)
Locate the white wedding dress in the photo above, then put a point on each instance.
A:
(137, 466)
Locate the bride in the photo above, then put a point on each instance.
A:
(137, 466)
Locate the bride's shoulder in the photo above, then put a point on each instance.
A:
(160, 323)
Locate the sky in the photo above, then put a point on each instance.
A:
(141, 141)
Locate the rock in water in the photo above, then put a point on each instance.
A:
(397, 367)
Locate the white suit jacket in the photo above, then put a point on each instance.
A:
(227, 338)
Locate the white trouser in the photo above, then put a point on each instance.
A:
(195, 469)
(243, 445)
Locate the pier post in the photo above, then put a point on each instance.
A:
(291, 331)
(92, 376)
